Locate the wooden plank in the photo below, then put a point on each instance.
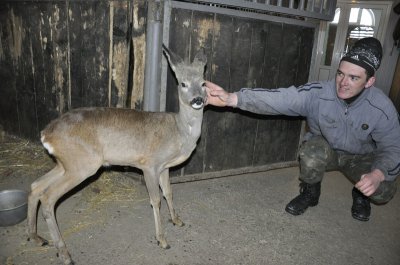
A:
(9, 54)
(303, 39)
(50, 46)
(201, 37)
(306, 49)
(271, 139)
(220, 72)
(179, 43)
(119, 54)
(240, 127)
(304, 60)
(137, 55)
(180, 32)
(269, 69)
(272, 54)
(89, 41)
(23, 26)
(289, 60)
(277, 137)
(255, 79)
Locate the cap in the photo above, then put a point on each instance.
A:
(366, 53)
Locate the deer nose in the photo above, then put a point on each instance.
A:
(197, 102)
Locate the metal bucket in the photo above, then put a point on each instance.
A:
(13, 207)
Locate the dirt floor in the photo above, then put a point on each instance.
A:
(231, 220)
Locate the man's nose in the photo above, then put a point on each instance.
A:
(344, 81)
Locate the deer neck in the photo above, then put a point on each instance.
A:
(189, 121)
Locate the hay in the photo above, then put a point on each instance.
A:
(110, 187)
(23, 250)
(20, 159)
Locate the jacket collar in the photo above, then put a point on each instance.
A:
(330, 94)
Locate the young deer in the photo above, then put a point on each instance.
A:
(85, 139)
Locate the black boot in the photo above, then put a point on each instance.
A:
(309, 196)
(361, 209)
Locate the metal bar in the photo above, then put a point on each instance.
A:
(164, 65)
(243, 14)
(312, 6)
(232, 172)
(152, 79)
(301, 6)
(321, 7)
(259, 7)
(332, 9)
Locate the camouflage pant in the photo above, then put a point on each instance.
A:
(317, 157)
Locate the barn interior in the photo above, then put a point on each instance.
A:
(60, 55)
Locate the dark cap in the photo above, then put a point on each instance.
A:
(366, 53)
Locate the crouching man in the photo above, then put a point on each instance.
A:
(353, 128)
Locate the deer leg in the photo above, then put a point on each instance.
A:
(54, 192)
(167, 192)
(72, 176)
(153, 189)
(37, 189)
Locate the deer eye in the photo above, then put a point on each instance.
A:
(203, 84)
(183, 84)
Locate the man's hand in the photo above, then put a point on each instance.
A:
(217, 96)
(370, 182)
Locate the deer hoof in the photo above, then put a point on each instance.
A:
(178, 222)
(38, 240)
(163, 244)
(65, 257)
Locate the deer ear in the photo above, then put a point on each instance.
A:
(200, 58)
(172, 58)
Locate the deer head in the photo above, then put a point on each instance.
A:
(191, 85)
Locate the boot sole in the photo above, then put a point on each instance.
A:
(360, 218)
(296, 213)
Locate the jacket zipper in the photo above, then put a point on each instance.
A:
(346, 111)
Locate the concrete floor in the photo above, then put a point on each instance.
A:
(231, 220)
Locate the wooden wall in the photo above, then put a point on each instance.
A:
(59, 55)
(242, 53)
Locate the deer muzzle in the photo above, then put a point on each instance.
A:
(197, 103)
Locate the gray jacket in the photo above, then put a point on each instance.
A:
(369, 124)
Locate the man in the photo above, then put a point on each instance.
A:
(353, 128)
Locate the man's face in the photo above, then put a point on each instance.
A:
(351, 79)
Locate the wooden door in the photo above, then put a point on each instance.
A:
(241, 53)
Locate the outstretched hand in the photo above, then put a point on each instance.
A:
(217, 96)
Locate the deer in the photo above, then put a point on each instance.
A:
(83, 140)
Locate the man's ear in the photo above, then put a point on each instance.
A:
(370, 82)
